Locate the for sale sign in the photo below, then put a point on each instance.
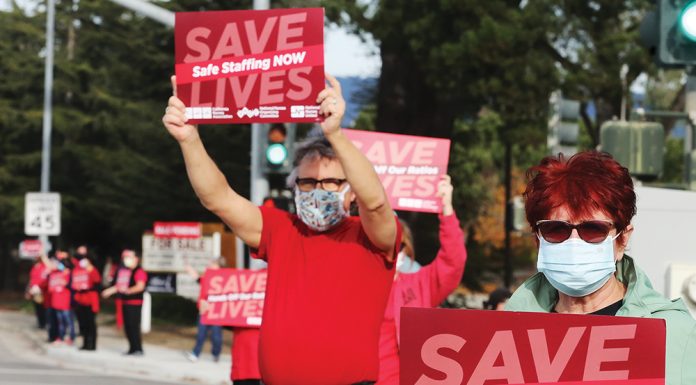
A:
(233, 297)
(177, 229)
(408, 166)
(250, 66)
(480, 347)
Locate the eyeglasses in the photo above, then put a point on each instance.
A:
(327, 184)
(594, 231)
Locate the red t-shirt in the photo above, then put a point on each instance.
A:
(58, 289)
(84, 284)
(325, 300)
(245, 354)
(123, 278)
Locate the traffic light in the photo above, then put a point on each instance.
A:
(278, 150)
(564, 125)
(670, 33)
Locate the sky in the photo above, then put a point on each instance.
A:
(346, 55)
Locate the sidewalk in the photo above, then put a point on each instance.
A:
(159, 362)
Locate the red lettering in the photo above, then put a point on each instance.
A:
(403, 186)
(431, 357)
(287, 31)
(194, 44)
(303, 87)
(247, 282)
(597, 353)
(250, 309)
(399, 156)
(241, 94)
(258, 44)
(212, 307)
(424, 153)
(550, 370)
(231, 286)
(377, 153)
(260, 286)
(268, 85)
(215, 285)
(235, 308)
(425, 186)
(229, 43)
(503, 344)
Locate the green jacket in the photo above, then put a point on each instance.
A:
(536, 294)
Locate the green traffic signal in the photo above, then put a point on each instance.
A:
(276, 154)
(687, 21)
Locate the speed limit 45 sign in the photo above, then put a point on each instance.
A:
(42, 214)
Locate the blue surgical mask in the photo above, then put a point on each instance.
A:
(575, 267)
(319, 209)
(60, 266)
(406, 265)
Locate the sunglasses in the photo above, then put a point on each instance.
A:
(595, 231)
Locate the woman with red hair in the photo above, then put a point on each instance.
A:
(580, 209)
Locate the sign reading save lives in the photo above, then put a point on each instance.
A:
(42, 213)
(408, 166)
(250, 66)
(234, 296)
(479, 347)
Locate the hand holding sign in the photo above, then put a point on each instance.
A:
(333, 106)
(444, 191)
(174, 118)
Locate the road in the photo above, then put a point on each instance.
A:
(15, 370)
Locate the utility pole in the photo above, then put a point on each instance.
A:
(258, 184)
(48, 100)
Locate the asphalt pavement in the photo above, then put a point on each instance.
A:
(25, 358)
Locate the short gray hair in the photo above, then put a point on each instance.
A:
(317, 147)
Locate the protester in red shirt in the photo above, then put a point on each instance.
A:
(35, 292)
(58, 284)
(86, 282)
(416, 286)
(329, 274)
(245, 357)
(130, 286)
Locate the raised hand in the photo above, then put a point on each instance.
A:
(332, 106)
(174, 118)
(444, 191)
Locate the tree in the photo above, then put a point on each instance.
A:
(591, 40)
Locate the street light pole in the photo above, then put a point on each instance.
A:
(258, 188)
(48, 112)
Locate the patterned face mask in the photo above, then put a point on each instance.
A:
(319, 209)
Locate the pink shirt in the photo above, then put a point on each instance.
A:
(426, 288)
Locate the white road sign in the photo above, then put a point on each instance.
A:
(42, 214)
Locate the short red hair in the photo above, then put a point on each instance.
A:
(587, 181)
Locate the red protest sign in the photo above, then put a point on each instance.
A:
(480, 347)
(234, 297)
(250, 66)
(177, 229)
(30, 248)
(408, 166)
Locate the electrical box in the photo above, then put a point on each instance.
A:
(638, 146)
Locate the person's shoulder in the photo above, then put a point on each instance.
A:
(277, 216)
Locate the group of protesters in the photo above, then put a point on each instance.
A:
(336, 282)
(66, 287)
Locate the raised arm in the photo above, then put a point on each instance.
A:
(445, 272)
(210, 185)
(376, 215)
